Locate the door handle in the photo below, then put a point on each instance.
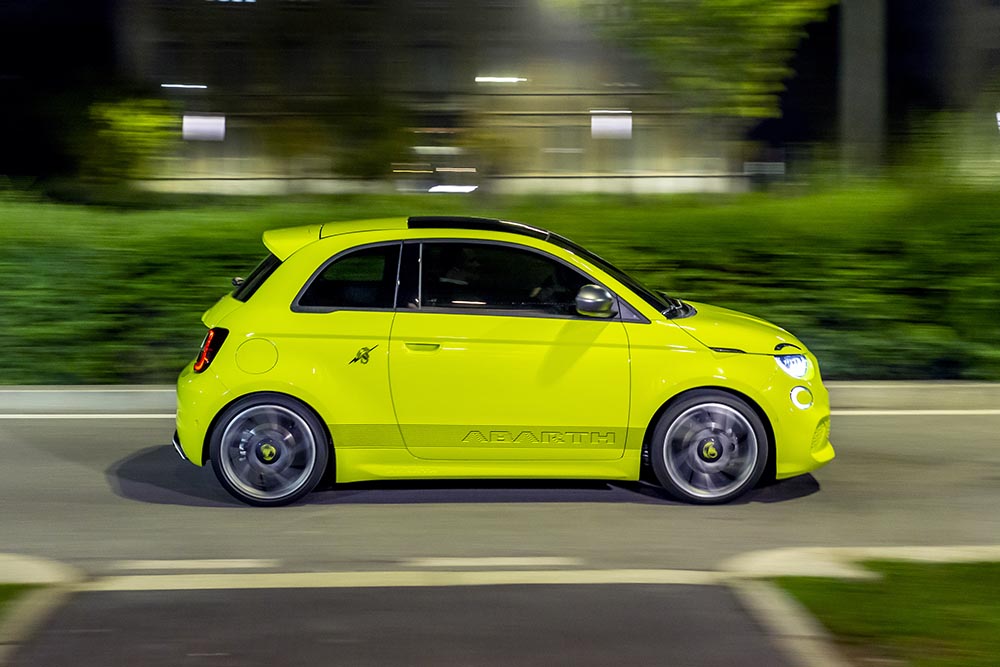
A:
(423, 347)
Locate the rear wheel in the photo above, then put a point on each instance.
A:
(268, 450)
(709, 448)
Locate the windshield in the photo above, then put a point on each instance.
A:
(658, 300)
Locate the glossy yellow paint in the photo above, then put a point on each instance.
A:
(448, 395)
(510, 388)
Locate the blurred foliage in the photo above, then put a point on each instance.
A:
(371, 134)
(10, 593)
(959, 147)
(928, 615)
(719, 57)
(289, 138)
(880, 281)
(126, 136)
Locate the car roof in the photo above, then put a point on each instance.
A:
(283, 242)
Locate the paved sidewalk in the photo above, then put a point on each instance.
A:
(850, 395)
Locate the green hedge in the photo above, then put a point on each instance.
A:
(881, 282)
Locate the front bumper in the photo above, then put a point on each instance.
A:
(802, 435)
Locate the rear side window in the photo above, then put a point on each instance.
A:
(246, 289)
(364, 279)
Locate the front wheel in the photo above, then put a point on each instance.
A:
(709, 448)
(268, 450)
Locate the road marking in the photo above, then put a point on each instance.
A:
(836, 413)
(119, 390)
(398, 579)
(915, 413)
(207, 564)
(92, 415)
(930, 385)
(542, 561)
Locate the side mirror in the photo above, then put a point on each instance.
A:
(594, 301)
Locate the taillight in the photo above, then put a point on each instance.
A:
(213, 341)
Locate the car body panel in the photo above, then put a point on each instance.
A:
(482, 387)
(469, 395)
(717, 327)
(283, 242)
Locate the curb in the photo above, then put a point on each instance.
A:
(844, 395)
(803, 640)
(26, 614)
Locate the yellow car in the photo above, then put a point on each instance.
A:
(459, 348)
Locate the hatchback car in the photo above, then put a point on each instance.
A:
(462, 348)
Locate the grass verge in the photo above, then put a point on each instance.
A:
(9, 594)
(928, 615)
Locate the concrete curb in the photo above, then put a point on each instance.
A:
(30, 612)
(877, 395)
(914, 395)
(804, 641)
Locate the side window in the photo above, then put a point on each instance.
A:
(364, 278)
(482, 276)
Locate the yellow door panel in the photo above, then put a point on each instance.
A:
(343, 358)
(492, 387)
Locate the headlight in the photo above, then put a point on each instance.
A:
(796, 365)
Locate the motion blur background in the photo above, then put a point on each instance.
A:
(830, 166)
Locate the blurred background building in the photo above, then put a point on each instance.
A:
(523, 95)
(519, 91)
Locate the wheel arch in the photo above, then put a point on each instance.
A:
(205, 445)
(769, 470)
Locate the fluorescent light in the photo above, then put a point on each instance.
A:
(456, 170)
(500, 79)
(203, 128)
(611, 124)
(198, 86)
(462, 189)
(437, 150)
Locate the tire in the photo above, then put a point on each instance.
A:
(268, 450)
(709, 448)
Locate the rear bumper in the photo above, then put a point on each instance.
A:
(177, 447)
(199, 398)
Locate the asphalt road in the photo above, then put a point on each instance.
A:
(507, 625)
(108, 495)
(93, 492)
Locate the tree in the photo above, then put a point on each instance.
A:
(718, 57)
(127, 136)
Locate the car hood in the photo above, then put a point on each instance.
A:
(717, 327)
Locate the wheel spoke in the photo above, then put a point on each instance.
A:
(710, 450)
(290, 446)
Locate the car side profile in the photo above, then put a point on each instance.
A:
(467, 348)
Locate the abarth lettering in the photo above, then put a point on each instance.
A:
(543, 437)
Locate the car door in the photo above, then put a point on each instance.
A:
(337, 337)
(488, 359)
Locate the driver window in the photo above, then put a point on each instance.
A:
(484, 276)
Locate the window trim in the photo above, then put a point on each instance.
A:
(256, 278)
(624, 311)
(296, 307)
